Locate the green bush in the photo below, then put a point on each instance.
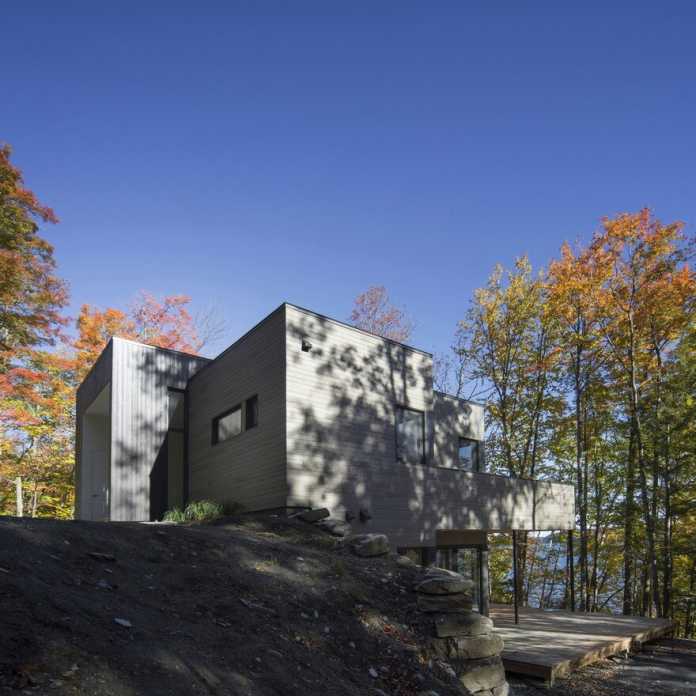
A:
(203, 510)
(174, 515)
(196, 511)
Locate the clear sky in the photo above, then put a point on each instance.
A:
(247, 153)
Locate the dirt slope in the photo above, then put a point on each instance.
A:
(252, 605)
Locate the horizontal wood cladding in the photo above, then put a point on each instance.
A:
(411, 503)
(249, 468)
(342, 394)
(454, 418)
(141, 378)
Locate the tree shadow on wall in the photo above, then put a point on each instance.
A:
(342, 451)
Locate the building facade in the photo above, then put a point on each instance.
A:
(301, 411)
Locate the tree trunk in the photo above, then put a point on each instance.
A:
(19, 496)
(628, 529)
(34, 500)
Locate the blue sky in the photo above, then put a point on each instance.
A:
(250, 153)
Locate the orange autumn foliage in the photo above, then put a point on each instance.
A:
(165, 323)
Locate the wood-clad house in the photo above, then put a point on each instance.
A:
(302, 411)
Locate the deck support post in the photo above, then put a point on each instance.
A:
(571, 569)
(483, 580)
(514, 576)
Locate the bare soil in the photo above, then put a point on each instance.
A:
(258, 604)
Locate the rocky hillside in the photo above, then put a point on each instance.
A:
(251, 605)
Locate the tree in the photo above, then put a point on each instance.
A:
(507, 344)
(31, 299)
(37, 411)
(374, 312)
(38, 427)
(164, 323)
(643, 302)
(31, 295)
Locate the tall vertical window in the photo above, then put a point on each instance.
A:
(175, 399)
(410, 435)
(252, 412)
(469, 454)
(466, 561)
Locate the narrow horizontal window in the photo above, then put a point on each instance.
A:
(227, 425)
(252, 412)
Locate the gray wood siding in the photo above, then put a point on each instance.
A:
(454, 418)
(92, 385)
(139, 420)
(341, 422)
(248, 469)
(341, 401)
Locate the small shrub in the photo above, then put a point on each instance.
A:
(196, 511)
(203, 511)
(174, 515)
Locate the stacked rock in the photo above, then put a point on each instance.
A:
(463, 638)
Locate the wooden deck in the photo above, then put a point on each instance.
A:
(550, 644)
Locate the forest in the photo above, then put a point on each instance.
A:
(587, 368)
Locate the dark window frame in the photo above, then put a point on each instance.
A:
(216, 421)
(402, 407)
(242, 406)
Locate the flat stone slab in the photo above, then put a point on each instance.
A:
(444, 603)
(467, 648)
(465, 623)
(443, 585)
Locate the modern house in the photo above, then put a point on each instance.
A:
(302, 411)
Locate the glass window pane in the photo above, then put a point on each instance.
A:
(468, 454)
(409, 435)
(229, 425)
(252, 412)
(467, 564)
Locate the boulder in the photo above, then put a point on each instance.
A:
(405, 562)
(368, 545)
(314, 515)
(503, 690)
(333, 526)
(465, 623)
(480, 675)
(444, 603)
(443, 584)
